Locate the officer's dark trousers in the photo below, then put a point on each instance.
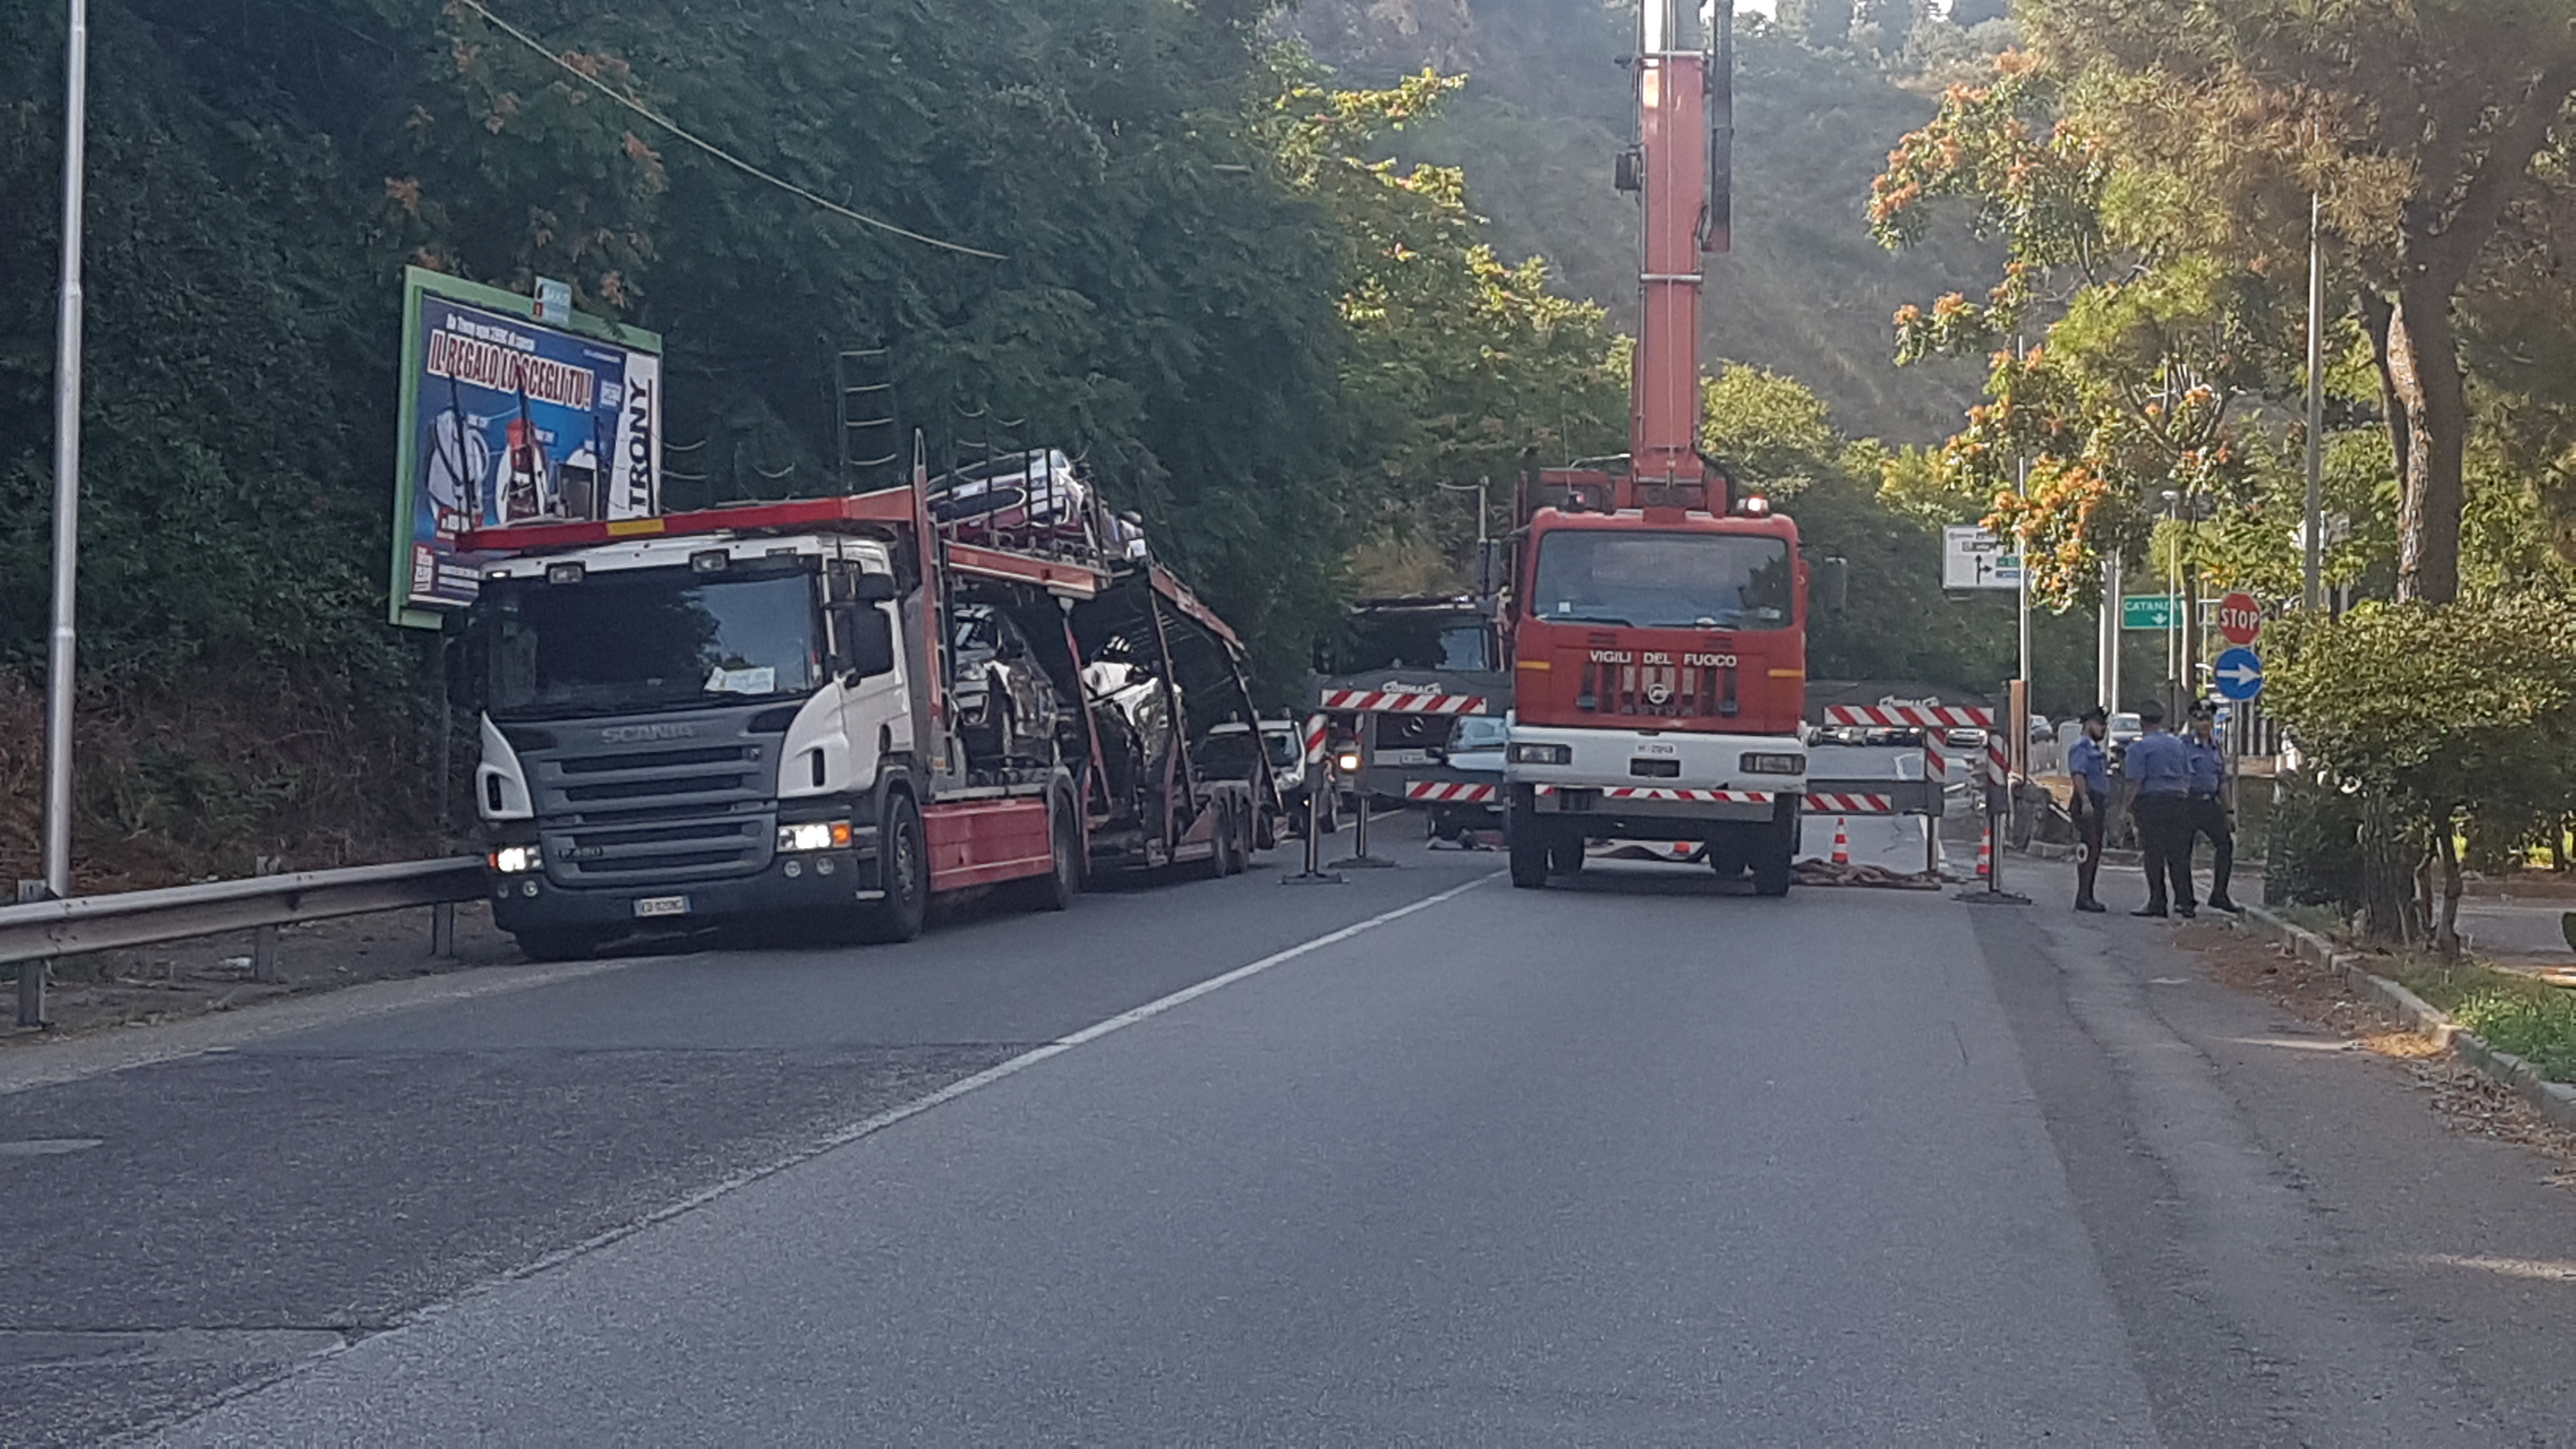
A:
(2164, 835)
(2088, 861)
(2209, 817)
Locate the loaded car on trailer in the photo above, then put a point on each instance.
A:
(829, 709)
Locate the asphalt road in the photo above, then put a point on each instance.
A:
(1413, 1159)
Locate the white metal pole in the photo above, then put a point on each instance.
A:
(2312, 590)
(59, 654)
(2106, 661)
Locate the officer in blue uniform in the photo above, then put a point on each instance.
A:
(2088, 765)
(2208, 810)
(2159, 764)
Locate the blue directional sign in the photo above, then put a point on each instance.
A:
(2238, 674)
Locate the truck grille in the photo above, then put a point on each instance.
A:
(615, 816)
(1658, 691)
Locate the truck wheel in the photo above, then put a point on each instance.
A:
(1727, 861)
(1772, 870)
(1529, 853)
(1565, 853)
(1233, 840)
(903, 871)
(556, 945)
(1055, 890)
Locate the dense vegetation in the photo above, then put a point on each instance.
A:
(1206, 275)
(2153, 170)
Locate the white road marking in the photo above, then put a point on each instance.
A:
(870, 1126)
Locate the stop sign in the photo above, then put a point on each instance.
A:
(2240, 618)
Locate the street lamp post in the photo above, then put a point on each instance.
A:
(59, 652)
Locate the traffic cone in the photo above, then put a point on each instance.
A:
(1842, 841)
(1986, 853)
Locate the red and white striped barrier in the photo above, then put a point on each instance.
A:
(1710, 797)
(1911, 716)
(1383, 701)
(1449, 792)
(1852, 804)
(1318, 730)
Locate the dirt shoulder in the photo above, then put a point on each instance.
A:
(2468, 1101)
(107, 990)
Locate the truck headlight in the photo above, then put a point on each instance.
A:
(515, 859)
(1535, 754)
(1773, 764)
(814, 835)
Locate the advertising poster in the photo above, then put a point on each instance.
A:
(506, 420)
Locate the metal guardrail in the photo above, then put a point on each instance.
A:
(43, 929)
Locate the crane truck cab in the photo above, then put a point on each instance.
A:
(1661, 662)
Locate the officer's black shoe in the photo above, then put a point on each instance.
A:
(2091, 906)
(2230, 907)
(2156, 911)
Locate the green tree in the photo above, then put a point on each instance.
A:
(2441, 717)
(2420, 121)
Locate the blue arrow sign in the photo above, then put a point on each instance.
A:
(2239, 674)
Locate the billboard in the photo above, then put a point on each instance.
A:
(507, 420)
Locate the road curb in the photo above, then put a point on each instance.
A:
(2554, 1100)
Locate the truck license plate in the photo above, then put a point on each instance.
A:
(662, 906)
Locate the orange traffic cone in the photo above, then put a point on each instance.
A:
(1986, 853)
(1842, 841)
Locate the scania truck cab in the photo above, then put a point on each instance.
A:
(700, 728)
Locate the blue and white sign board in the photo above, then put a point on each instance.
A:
(2238, 674)
(1972, 558)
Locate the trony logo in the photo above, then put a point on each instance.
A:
(640, 734)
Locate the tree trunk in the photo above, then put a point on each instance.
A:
(2376, 313)
(2424, 372)
(2446, 931)
(2387, 881)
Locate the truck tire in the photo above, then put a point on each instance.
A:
(1529, 850)
(1775, 859)
(1726, 860)
(1055, 890)
(1565, 853)
(903, 872)
(1234, 839)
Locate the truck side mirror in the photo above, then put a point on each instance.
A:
(870, 636)
(875, 588)
(1832, 585)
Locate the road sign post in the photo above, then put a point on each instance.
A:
(2238, 675)
(2146, 613)
(1972, 558)
(2240, 618)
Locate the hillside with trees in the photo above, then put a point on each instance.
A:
(1806, 292)
(1274, 298)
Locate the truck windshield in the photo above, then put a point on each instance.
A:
(649, 639)
(1662, 580)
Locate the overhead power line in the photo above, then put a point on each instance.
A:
(711, 148)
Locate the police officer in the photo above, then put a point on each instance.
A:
(2159, 764)
(2208, 809)
(2089, 767)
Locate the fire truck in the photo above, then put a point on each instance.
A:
(836, 709)
(1658, 614)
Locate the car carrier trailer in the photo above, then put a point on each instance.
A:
(835, 709)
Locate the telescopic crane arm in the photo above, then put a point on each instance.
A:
(1685, 112)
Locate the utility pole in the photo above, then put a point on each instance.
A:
(60, 654)
(2106, 675)
(2312, 586)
